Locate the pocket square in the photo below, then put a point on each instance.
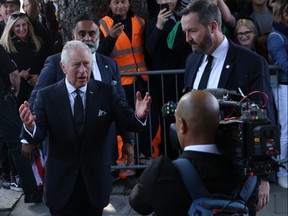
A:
(101, 113)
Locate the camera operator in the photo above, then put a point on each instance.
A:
(161, 189)
(216, 62)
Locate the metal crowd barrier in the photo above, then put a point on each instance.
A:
(162, 74)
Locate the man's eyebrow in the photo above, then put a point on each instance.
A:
(87, 31)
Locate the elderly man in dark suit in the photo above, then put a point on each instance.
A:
(104, 69)
(161, 189)
(77, 172)
(216, 62)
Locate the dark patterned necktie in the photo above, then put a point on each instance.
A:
(78, 113)
(205, 76)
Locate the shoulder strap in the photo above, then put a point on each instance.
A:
(248, 188)
(196, 187)
(191, 178)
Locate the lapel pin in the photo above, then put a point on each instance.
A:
(227, 66)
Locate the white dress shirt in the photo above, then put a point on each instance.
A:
(72, 94)
(95, 68)
(219, 56)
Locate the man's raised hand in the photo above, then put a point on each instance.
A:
(26, 116)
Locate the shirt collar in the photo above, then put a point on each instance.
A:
(71, 88)
(209, 148)
(94, 58)
(222, 49)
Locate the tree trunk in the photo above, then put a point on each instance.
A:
(70, 9)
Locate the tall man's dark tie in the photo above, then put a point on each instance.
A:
(79, 113)
(205, 77)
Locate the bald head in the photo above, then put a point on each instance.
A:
(197, 118)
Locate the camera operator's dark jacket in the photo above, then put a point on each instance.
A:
(161, 190)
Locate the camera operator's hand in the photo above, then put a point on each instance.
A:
(263, 194)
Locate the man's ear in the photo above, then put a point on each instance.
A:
(182, 126)
(63, 67)
(213, 26)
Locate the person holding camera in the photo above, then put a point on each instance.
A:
(161, 189)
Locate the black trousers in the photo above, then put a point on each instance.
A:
(79, 203)
(10, 127)
(4, 164)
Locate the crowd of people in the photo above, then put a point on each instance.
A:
(220, 44)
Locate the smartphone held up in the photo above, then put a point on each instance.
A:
(117, 18)
(165, 5)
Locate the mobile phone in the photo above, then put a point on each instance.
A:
(166, 6)
(116, 18)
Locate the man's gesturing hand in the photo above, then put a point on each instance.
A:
(26, 116)
(142, 105)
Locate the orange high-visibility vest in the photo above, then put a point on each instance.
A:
(129, 56)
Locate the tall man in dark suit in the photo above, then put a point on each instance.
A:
(232, 67)
(161, 189)
(77, 172)
(104, 69)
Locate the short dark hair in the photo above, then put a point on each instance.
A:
(206, 11)
(84, 16)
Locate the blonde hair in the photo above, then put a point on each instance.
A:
(279, 8)
(8, 34)
(248, 23)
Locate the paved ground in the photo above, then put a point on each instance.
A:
(12, 204)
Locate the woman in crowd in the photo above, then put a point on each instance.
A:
(246, 35)
(278, 50)
(26, 50)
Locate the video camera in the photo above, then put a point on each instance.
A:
(245, 133)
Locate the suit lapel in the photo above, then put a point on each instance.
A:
(104, 69)
(227, 67)
(91, 97)
(62, 104)
(194, 66)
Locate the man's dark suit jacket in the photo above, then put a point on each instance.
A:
(67, 155)
(242, 69)
(52, 73)
(161, 190)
